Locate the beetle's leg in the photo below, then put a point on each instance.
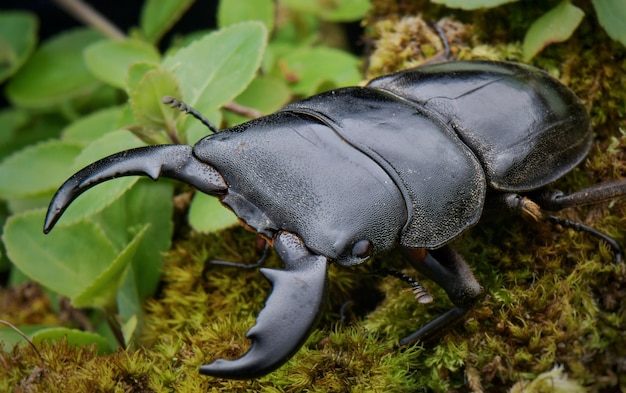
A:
(450, 271)
(555, 200)
(262, 258)
(421, 294)
(577, 226)
(445, 55)
(290, 312)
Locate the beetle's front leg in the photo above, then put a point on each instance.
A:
(449, 270)
(290, 312)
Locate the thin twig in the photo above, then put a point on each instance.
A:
(18, 331)
(245, 111)
(90, 17)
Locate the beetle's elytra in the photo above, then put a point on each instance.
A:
(406, 161)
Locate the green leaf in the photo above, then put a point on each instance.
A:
(158, 16)
(93, 126)
(336, 10)
(129, 328)
(136, 74)
(18, 38)
(74, 337)
(472, 4)
(55, 73)
(102, 291)
(321, 68)
(37, 169)
(231, 12)
(148, 202)
(215, 69)
(207, 214)
(11, 120)
(556, 25)
(148, 109)
(151, 202)
(66, 261)
(109, 60)
(93, 201)
(612, 16)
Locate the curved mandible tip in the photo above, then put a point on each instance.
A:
(173, 161)
(290, 313)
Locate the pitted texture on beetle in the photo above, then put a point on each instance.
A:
(442, 181)
(295, 168)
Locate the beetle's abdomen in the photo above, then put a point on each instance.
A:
(526, 128)
(441, 180)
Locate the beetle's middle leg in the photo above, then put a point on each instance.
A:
(449, 270)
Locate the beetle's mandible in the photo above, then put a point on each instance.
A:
(407, 161)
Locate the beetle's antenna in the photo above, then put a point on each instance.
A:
(176, 103)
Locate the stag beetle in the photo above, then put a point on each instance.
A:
(407, 161)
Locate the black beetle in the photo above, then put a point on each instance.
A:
(409, 161)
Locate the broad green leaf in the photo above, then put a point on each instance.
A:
(136, 73)
(18, 37)
(146, 100)
(11, 120)
(215, 69)
(22, 129)
(28, 203)
(94, 200)
(102, 291)
(266, 94)
(93, 126)
(109, 60)
(148, 202)
(151, 203)
(66, 261)
(472, 4)
(612, 16)
(336, 10)
(55, 73)
(321, 68)
(231, 12)
(207, 214)
(37, 169)
(73, 336)
(158, 16)
(556, 25)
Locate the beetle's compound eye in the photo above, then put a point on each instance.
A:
(362, 249)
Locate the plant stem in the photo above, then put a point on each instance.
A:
(90, 17)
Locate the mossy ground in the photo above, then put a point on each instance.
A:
(553, 296)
